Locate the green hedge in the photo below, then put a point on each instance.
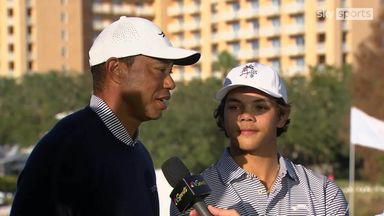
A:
(8, 183)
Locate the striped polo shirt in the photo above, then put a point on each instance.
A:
(296, 191)
(111, 121)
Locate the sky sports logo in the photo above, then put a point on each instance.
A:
(346, 13)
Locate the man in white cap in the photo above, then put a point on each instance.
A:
(92, 161)
(251, 176)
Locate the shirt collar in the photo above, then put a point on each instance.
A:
(111, 121)
(230, 171)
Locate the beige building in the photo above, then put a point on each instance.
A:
(290, 35)
(45, 35)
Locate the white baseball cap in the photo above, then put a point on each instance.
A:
(257, 76)
(129, 36)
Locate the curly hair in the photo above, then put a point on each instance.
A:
(282, 106)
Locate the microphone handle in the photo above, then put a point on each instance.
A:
(201, 208)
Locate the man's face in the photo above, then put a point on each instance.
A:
(250, 120)
(146, 86)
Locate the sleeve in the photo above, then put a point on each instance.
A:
(38, 184)
(336, 203)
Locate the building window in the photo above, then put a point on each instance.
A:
(275, 22)
(344, 58)
(254, 4)
(11, 66)
(29, 12)
(299, 40)
(180, 20)
(11, 48)
(275, 42)
(214, 8)
(321, 38)
(30, 65)
(64, 35)
(275, 64)
(235, 26)
(321, 59)
(276, 3)
(10, 30)
(29, 47)
(254, 44)
(10, 12)
(344, 36)
(63, 17)
(214, 50)
(29, 29)
(299, 61)
(235, 6)
(63, 67)
(299, 19)
(196, 35)
(64, 52)
(197, 19)
(255, 24)
(235, 47)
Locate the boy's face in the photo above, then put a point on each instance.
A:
(251, 118)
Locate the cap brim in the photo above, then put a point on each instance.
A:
(224, 91)
(178, 55)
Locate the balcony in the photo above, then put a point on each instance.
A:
(248, 54)
(293, 8)
(294, 70)
(270, 52)
(229, 35)
(192, 8)
(192, 25)
(230, 15)
(320, 26)
(146, 11)
(294, 29)
(249, 13)
(192, 42)
(250, 33)
(124, 9)
(321, 48)
(175, 27)
(270, 31)
(11, 21)
(269, 10)
(345, 47)
(99, 25)
(177, 42)
(293, 50)
(175, 10)
(101, 8)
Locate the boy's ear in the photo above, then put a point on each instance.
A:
(283, 118)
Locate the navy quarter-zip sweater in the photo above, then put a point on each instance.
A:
(80, 168)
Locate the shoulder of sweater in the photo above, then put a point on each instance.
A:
(74, 124)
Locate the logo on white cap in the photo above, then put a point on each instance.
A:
(255, 75)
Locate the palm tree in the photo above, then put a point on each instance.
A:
(225, 62)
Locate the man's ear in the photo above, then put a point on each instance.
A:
(113, 69)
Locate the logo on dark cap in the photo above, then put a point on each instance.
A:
(249, 70)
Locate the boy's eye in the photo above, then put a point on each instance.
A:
(233, 107)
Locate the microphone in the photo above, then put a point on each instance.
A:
(189, 190)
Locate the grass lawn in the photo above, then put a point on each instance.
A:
(369, 198)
